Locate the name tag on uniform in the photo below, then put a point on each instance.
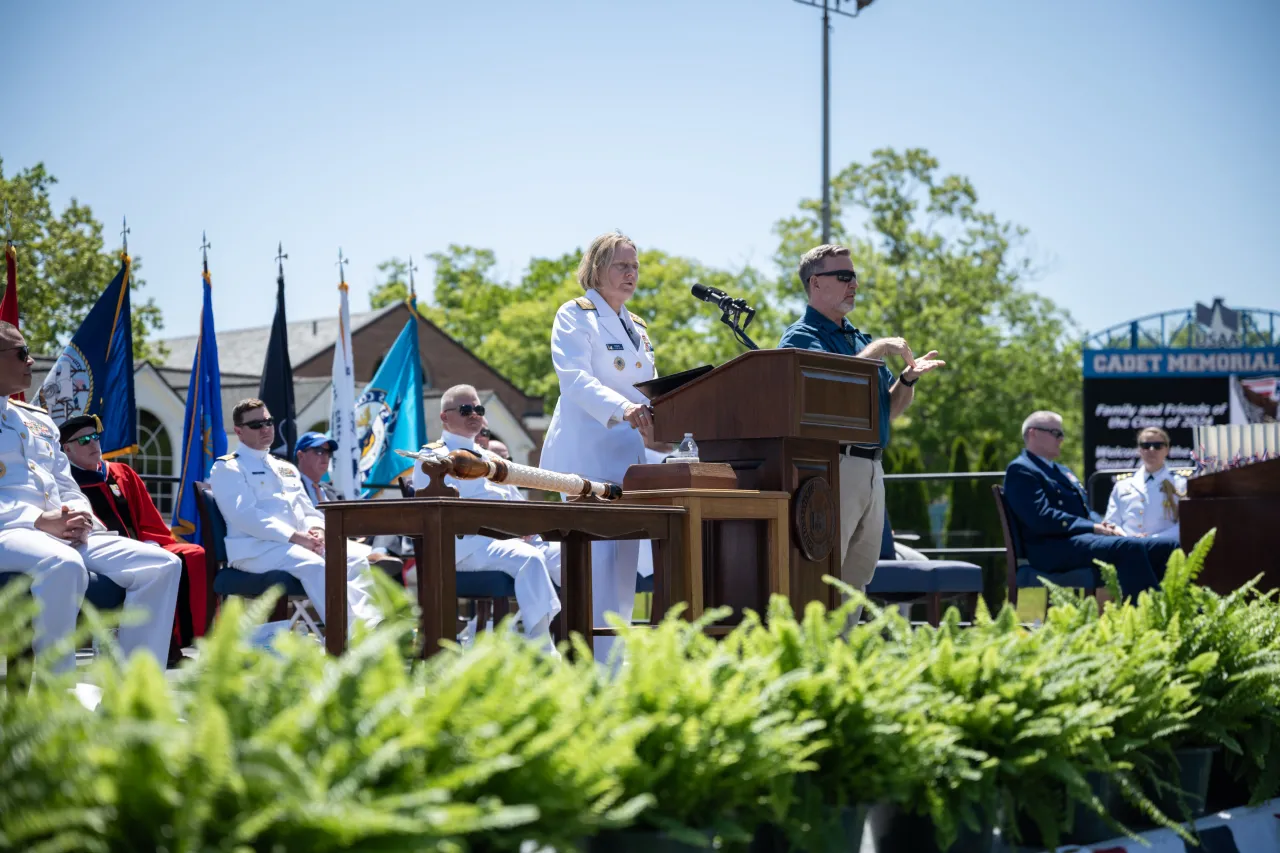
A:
(612, 347)
(258, 473)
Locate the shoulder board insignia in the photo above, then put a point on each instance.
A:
(1127, 475)
(26, 405)
(585, 303)
(638, 320)
(228, 457)
(1184, 472)
(435, 445)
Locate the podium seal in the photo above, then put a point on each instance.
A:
(813, 512)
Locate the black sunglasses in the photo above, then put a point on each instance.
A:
(842, 275)
(466, 410)
(259, 424)
(1056, 433)
(24, 353)
(1152, 445)
(85, 439)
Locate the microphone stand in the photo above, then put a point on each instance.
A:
(734, 312)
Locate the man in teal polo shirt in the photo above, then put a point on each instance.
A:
(831, 286)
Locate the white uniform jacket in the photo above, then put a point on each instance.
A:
(262, 499)
(1143, 504)
(597, 365)
(479, 489)
(35, 475)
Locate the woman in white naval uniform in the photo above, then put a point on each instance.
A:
(599, 351)
(1146, 503)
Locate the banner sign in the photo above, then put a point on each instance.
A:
(1114, 411)
(1121, 363)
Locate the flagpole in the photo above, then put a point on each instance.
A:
(9, 303)
(342, 404)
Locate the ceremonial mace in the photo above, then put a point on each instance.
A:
(469, 465)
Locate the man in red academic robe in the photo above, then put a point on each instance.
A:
(120, 501)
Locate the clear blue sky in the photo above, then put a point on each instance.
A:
(1137, 140)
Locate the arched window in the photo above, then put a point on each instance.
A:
(154, 459)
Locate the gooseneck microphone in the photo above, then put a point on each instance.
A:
(735, 313)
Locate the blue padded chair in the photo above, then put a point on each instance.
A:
(905, 581)
(102, 593)
(644, 583)
(226, 581)
(1021, 574)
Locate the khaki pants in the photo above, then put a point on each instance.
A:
(861, 518)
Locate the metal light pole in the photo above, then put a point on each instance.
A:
(829, 6)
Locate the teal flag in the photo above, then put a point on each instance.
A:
(389, 415)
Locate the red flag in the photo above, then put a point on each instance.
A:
(9, 304)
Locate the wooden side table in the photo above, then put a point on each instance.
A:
(691, 577)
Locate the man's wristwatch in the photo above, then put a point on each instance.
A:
(902, 377)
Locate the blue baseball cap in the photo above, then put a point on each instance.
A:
(308, 440)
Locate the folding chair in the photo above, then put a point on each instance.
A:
(1021, 574)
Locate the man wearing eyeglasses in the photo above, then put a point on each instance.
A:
(532, 563)
(831, 288)
(48, 530)
(1051, 511)
(122, 504)
(272, 524)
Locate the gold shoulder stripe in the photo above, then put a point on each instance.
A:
(436, 445)
(228, 457)
(1127, 475)
(585, 303)
(27, 405)
(638, 320)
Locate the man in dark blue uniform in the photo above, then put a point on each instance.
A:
(1049, 508)
(831, 286)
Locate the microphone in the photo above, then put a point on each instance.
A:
(713, 295)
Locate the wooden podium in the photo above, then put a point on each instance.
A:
(778, 417)
(1243, 504)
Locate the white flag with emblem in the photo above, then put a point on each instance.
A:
(342, 411)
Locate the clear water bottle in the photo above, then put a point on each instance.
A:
(688, 449)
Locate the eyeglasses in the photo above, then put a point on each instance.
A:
(86, 439)
(845, 276)
(323, 450)
(466, 410)
(1056, 433)
(259, 424)
(24, 353)
(1152, 445)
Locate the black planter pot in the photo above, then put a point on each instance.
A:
(1195, 766)
(840, 832)
(893, 830)
(1087, 827)
(1225, 791)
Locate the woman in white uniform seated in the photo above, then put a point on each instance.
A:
(1146, 503)
(599, 351)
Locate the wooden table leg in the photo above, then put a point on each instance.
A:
(668, 552)
(779, 545)
(575, 587)
(693, 576)
(437, 583)
(335, 585)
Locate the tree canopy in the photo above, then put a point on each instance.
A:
(63, 265)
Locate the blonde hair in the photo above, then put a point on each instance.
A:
(1164, 436)
(813, 259)
(598, 256)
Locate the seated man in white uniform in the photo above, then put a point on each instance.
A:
(1146, 503)
(534, 564)
(47, 527)
(272, 524)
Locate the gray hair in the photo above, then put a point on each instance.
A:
(449, 399)
(812, 260)
(598, 256)
(1038, 419)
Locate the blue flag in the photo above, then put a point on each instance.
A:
(203, 437)
(94, 373)
(389, 414)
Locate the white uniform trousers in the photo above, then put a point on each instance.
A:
(58, 582)
(149, 575)
(528, 564)
(861, 519)
(308, 567)
(614, 567)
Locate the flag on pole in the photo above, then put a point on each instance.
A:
(342, 406)
(276, 387)
(204, 438)
(94, 373)
(9, 304)
(389, 413)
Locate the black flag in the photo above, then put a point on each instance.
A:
(276, 389)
